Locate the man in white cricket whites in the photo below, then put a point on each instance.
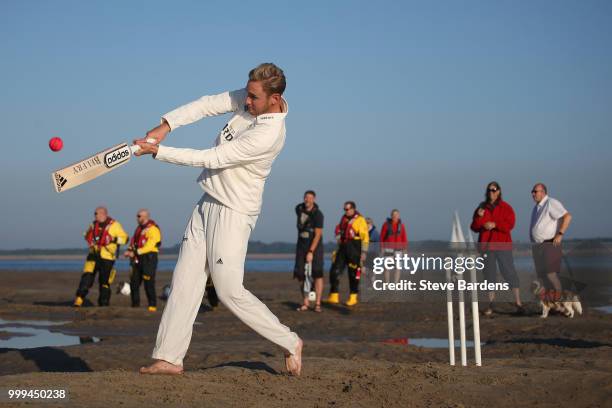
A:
(216, 237)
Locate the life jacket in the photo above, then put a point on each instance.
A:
(98, 233)
(139, 239)
(389, 232)
(345, 228)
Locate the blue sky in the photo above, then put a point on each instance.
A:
(414, 105)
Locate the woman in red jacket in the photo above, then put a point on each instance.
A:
(494, 220)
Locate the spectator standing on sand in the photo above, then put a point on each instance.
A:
(393, 240)
(309, 248)
(104, 236)
(549, 222)
(494, 220)
(143, 252)
(353, 240)
(374, 235)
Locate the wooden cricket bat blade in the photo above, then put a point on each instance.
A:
(92, 167)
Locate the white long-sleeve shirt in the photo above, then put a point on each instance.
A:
(236, 168)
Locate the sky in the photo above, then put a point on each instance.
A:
(408, 105)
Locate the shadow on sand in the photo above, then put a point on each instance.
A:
(49, 359)
(250, 365)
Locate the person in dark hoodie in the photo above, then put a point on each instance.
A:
(309, 248)
(374, 235)
(374, 238)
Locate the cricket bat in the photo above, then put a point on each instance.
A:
(92, 167)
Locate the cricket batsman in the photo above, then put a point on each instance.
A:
(215, 240)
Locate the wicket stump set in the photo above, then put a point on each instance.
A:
(451, 323)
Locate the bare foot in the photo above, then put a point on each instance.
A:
(162, 367)
(293, 362)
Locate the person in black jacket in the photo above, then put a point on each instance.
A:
(309, 249)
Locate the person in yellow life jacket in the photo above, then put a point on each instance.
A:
(353, 240)
(142, 252)
(104, 236)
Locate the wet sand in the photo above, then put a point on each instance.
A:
(526, 360)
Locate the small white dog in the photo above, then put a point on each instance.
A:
(568, 304)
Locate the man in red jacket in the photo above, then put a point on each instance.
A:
(393, 240)
(494, 220)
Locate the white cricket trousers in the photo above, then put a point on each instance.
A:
(215, 243)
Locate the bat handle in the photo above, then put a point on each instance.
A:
(135, 148)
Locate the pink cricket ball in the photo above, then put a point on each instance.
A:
(56, 144)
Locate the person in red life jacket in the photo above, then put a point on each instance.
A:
(104, 236)
(494, 220)
(353, 240)
(143, 252)
(393, 240)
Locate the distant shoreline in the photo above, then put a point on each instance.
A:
(278, 250)
(82, 256)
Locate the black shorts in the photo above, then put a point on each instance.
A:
(300, 261)
(547, 259)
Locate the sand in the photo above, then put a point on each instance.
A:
(526, 360)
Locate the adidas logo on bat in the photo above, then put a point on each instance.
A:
(117, 156)
(60, 181)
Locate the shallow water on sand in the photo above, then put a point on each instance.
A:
(37, 333)
(605, 309)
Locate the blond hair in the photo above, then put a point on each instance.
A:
(272, 78)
